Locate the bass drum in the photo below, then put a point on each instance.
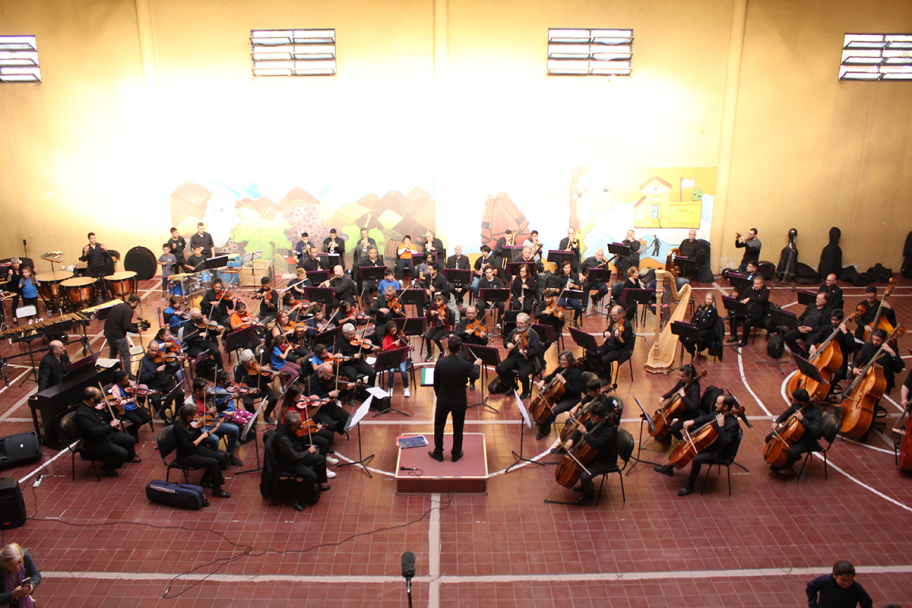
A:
(141, 261)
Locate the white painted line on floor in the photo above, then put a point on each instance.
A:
(747, 386)
(11, 383)
(866, 486)
(45, 464)
(434, 549)
(865, 445)
(898, 406)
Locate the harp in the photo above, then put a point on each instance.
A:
(669, 261)
(671, 305)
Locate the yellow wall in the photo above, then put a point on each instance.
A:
(458, 91)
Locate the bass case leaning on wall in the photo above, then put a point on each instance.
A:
(907, 258)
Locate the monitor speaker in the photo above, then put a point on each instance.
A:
(19, 449)
(12, 507)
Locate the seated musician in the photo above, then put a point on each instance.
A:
(688, 247)
(53, 366)
(597, 261)
(888, 359)
(326, 385)
(566, 280)
(384, 309)
(296, 458)
(478, 335)
(354, 349)
(833, 291)
(689, 397)
(197, 260)
(173, 315)
(523, 346)
(423, 268)
(334, 244)
(571, 243)
(523, 290)
(814, 318)
(291, 305)
(571, 376)
(216, 303)
(549, 313)
(361, 250)
(131, 410)
(347, 313)
(593, 395)
(604, 439)
(100, 435)
(459, 262)
(535, 245)
(748, 276)
(216, 427)
(436, 284)
(311, 262)
(844, 339)
(250, 373)
(905, 396)
(316, 325)
(342, 286)
(441, 320)
(405, 253)
(199, 338)
(368, 286)
(487, 258)
(810, 417)
(632, 282)
(618, 345)
(704, 319)
(757, 300)
(193, 451)
(489, 281)
(389, 280)
(285, 327)
(279, 359)
(269, 306)
(322, 437)
(241, 318)
(298, 284)
(158, 375)
(320, 356)
(391, 341)
(870, 305)
(302, 248)
(727, 426)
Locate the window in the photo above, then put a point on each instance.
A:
(876, 57)
(293, 52)
(574, 52)
(19, 59)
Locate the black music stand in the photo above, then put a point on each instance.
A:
(513, 268)
(809, 370)
(586, 341)
(412, 326)
(685, 331)
(458, 276)
(328, 261)
(639, 296)
(353, 421)
(559, 256)
(416, 297)
(594, 277)
(241, 339)
(494, 295)
(316, 277)
(256, 442)
(785, 321)
(328, 337)
(644, 419)
(489, 356)
(216, 262)
(546, 333)
(738, 282)
(806, 297)
(511, 252)
(371, 273)
(321, 295)
(523, 423)
(687, 266)
(736, 309)
(389, 361)
(620, 250)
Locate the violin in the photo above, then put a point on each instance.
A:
(241, 389)
(265, 295)
(308, 427)
(554, 309)
(201, 422)
(863, 393)
(477, 328)
(138, 390)
(255, 369)
(203, 324)
(403, 340)
(700, 439)
(669, 410)
(395, 307)
(310, 402)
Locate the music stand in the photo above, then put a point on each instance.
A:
(328, 261)
(489, 356)
(559, 256)
(644, 418)
(412, 326)
(328, 337)
(354, 421)
(586, 341)
(389, 361)
(620, 250)
(216, 262)
(785, 321)
(458, 276)
(524, 422)
(316, 277)
(415, 297)
(514, 251)
(241, 339)
(256, 442)
(639, 296)
(809, 370)
(688, 266)
(736, 309)
(738, 282)
(806, 297)
(513, 268)
(494, 295)
(686, 331)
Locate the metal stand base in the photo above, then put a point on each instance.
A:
(362, 460)
(637, 460)
(519, 457)
(484, 400)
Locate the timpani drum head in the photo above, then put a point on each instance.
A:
(141, 261)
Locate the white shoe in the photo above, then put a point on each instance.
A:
(330, 474)
(406, 393)
(331, 460)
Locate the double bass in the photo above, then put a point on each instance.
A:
(783, 438)
(859, 399)
(904, 457)
(670, 409)
(879, 321)
(700, 439)
(828, 359)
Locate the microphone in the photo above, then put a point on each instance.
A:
(408, 568)
(407, 469)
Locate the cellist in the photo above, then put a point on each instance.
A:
(604, 439)
(572, 377)
(689, 397)
(870, 305)
(810, 417)
(889, 360)
(844, 339)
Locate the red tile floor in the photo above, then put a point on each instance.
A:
(103, 544)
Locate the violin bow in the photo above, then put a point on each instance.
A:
(110, 410)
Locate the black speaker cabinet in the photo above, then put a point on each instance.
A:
(12, 507)
(19, 449)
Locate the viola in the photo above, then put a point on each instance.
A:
(698, 440)
(863, 393)
(670, 409)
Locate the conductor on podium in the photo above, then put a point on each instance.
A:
(450, 376)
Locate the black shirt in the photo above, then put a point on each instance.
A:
(603, 439)
(177, 247)
(825, 592)
(691, 399)
(205, 241)
(95, 255)
(119, 322)
(196, 262)
(812, 418)
(51, 371)
(573, 387)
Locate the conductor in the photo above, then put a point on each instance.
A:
(450, 376)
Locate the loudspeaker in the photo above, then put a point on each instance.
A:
(12, 507)
(19, 449)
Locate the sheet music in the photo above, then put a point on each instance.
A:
(359, 414)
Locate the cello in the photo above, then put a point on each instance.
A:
(700, 439)
(670, 409)
(540, 408)
(879, 322)
(783, 438)
(573, 421)
(570, 469)
(827, 359)
(863, 394)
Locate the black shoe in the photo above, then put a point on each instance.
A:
(558, 450)
(109, 471)
(577, 488)
(472, 386)
(438, 456)
(543, 431)
(235, 462)
(457, 456)
(429, 358)
(665, 470)
(584, 500)
(686, 490)
(525, 395)
(732, 340)
(742, 343)
(776, 469)
(205, 483)
(220, 493)
(325, 487)
(298, 506)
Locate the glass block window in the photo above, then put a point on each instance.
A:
(19, 59)
(293, 52)
(876, 57)
(582, 52)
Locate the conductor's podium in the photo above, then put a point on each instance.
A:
(467, 476)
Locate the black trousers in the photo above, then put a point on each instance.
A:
(271, 401)
(435, 335)
(121, 448)
(483, 306)
(213, 462)
(516, 367)
(356, 369)
(706, 336)
(137, 418)
(600, 362)
(592, 470)
(333, 416)
(159, 402)
(697, 463)
(791, 338)
(805, 444)
(440, 417)
(749, 324)
(564, 405)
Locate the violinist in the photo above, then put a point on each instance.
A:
(241, 318)
(435, 283)
(279, 359)
(572, 378)
(704, 319)
(290, 305)
(326, 385)
(355, 350)
(523, 290)
(751, 246)
(318, 436)
(137, 416)
(298, 284)
(727, 426)
(486, 258)
(216, 304)
(215, 426)
(600, 437)
(385, 308)
(405, 252)
(320, 356)
(100, 436)
(311, 262)
(441, 319)
(810, 417)
(299, 460)
(193, 452)
(334, 244)
(342, 286)
(471, 330)
(285, 327)
(844, 339)
(175, 313)
(158, 375)
(489, 281)
(598, 261)
(316, 325)
(618, 345)
(815, 317)
(250, 373)
(348, 314)
(458, 262)
(269, 305)
(571, 243)
(565, 281)
(201, 338)
(888, 359)
(549, 313)
(450, 375)
(833, 291)
(523, 346)
(870, 305)
(690, 397)
(757, 300)
(392, 339)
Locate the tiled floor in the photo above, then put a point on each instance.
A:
(104, 544)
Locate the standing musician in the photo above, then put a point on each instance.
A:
(703, 319)
(95, 254)
(567, 280)
(757, 300)
(486, 259)
(118, 323)
(571, 376)
(450, 375)
(217, 304)
(215, 426)
(815, 317)
(249, 372)
(597, 261)
(507, 240)
(434, 245)
(626, 261)
(342, 286)
(302, 249)
(436, 284)
(99, 435)
(269, 297)
(197, 260)
(844, 339)
(178, 245)
(549, 313)
(191, 452)
(53, 366)
(810, 417)
(459, 262)
(406, 251)
(689, 397)
(571, 243)
(523, 290)
(203, 240)
(441, 320)
(298, 284)
(833, 291)
(888, 359)
(159, 376)
(727, 427)
(523, 346)
(296, 458)
(535, 245)
(751, 246)
(13, 277)
(362, 249)
(602, 438)
(392, 340)
(323, 384)
(489, 281)
(354, 349)
(618, 345)
(310, 262)
(334, 244)
(128, 405)
(870, 305)
(201, 336)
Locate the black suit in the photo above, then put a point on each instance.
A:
(605, 441)
(450, 376)
(101, 440)
(813, 317)
(51, 371)
(517, 364)
(812, 421)
(834, 296)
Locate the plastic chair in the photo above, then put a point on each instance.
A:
(625, 444)
(830, 428)
(165, 444)
(72, 437)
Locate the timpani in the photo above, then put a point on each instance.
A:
(49, 284)
(122, 284)
(80, 290)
